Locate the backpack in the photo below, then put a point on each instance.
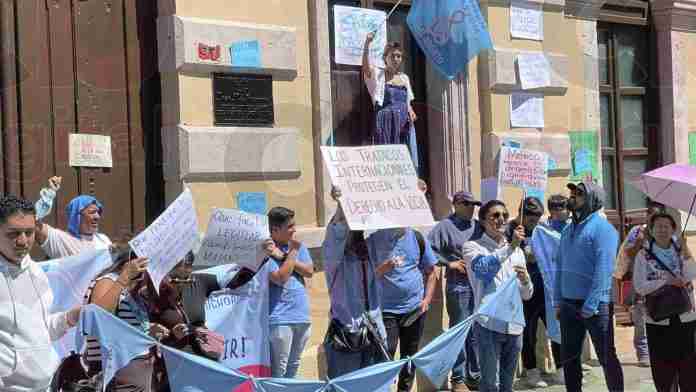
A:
(71, 376)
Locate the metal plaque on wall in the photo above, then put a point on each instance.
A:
(242, 100)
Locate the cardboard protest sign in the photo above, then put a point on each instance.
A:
(167, 240)
(351, 26)
(524, 169)
(241, 316)
(234, 237)
(379, 186)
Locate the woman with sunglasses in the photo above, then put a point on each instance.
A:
(491, 261)
(116, 291)
(180, 307)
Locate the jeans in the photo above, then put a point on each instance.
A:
(287, 343)
(640, 338)
(408, 340)
(459, 307)
(339, 363)
(498, 354)
(601, 329)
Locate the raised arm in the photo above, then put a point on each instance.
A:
(366, 67)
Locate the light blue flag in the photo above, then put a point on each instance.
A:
(545, 243)
(288, 385)
(120, 343)
(69, 279)
(191, 373)
(450, 32)
(505, 304)
(436, 359)
(377, 377)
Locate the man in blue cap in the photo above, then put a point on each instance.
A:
(84, 214)
(447, 239)
(582, 295)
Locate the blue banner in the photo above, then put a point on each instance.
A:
(505, 304)
(450, 32)
(545, 243)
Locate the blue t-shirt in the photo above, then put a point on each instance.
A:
(289, 303)
(402, 287)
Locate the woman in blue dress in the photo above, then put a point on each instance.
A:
(391, 94)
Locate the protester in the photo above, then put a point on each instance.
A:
(531, 212)
(559, 216)
(447, 239)
(27, 359)
(84, 214)
(661, 263)
(391, 94)
(491, 261)
(116, 290)
(180, 307)
(356, 335)
(406, 274)
(583, 287)
(623, 272)
(289, 317)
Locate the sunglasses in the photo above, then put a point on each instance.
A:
(498, 215)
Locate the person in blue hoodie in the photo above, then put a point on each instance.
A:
(583, 287)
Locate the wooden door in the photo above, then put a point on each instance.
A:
(353, 112)
(84, 66)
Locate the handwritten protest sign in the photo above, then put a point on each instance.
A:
(234, 237)
(241, 316)
(535, 70)
(524, 169)
(526, 110)
(90, 150)
(351, 26)
(526, 20)
(167, 240)
(379, 186)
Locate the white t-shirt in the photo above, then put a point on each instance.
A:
(63, 244)
(376, 85)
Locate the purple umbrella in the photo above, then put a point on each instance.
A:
(672, 185)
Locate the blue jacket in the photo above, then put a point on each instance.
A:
(585, 263)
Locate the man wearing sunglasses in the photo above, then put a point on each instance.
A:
(491, 261)
(623, 272)
(583, 287)
(447, 239)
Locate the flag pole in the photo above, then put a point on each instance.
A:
(387, 18)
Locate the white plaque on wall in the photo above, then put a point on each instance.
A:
(88, 150)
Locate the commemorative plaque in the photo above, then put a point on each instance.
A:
(243, 100)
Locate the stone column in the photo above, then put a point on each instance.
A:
(449, 139)
(674, 22)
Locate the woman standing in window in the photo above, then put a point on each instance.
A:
(391, 94)
(671, 341)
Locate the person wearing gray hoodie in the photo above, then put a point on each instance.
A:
(27, 358)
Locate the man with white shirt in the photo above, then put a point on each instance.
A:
(84, 214)
(491, 261)
(27, 359)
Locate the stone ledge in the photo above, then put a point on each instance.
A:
(230, 153)
(504, 78)
(674, 15)
(583, 9)
(179, 37)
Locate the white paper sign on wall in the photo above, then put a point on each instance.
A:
(87, 150)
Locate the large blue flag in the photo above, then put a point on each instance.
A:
(450, 32)
(505, 304)
(545, 243)
(436, 359)
(288, 385)
(188, 372)
(372, 378)
(69, 279)
(120, 343)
